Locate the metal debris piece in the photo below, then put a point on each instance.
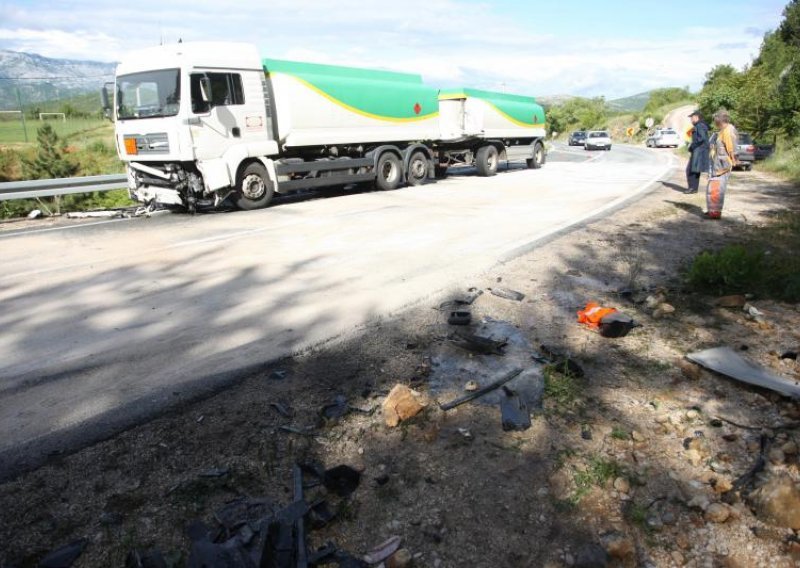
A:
(278, 374)
(482, 391)
(466, 300)
(480, 344)
(726, 361)
(64, 556)
(34, 214)
(507, 294)
(514, 411)
(335, 409)
(460, 317)
(93, 214)
(383, 551)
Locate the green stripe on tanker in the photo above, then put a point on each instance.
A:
(523, 111)
(385, 95)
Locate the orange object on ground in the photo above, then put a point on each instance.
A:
(593, 313)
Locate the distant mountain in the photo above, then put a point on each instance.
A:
(41, 79)
(552, 100)
(634, 103)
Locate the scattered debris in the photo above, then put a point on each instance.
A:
(466, 300)
(383, 551)
(480, 344)
(471, 386)
(728, 362)
(608, 321)
(65, 556)
(401, 404)
(507, 294)
(515, 414)
(754, 313)
(93, 214)
(789, 355)
(35, 214)
(482, 391)
(281, 409)
(336, 409)
(460, 317)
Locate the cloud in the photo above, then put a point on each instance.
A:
(449, 42)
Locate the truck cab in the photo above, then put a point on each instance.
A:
(187, 119)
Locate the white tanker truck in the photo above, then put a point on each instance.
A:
(200, 123)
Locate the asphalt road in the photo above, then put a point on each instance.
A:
(108, 323)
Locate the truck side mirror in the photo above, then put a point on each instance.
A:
(205, 89)
(105, 98)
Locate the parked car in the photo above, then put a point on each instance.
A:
(764, 151)
(598, 140)
(745, 151)
(577, 138)
(663, 138)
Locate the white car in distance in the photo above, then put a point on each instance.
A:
(663, 138)
(598, 140)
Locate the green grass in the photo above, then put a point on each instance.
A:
(11, 131)
(785, 163)
(597, 473)
(620, 433)
(560, 389)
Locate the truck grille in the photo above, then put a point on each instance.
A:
(148, 144)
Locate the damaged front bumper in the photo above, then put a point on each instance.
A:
(170, 185)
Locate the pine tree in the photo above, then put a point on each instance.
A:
(49, 162)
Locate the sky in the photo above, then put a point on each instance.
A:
(613, 48)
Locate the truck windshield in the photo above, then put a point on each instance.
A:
(151, 94)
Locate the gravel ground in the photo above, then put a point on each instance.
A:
(631, 465)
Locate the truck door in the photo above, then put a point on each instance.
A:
(222, 116)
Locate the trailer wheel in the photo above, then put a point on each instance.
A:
(417, 169)
(388, 173)
(539, 157)
(486, 160)
(254, 190)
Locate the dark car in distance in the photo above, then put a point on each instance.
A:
(577, 138)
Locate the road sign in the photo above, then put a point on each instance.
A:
(649, 122)
(629, 131)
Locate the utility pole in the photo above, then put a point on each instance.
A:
(22, 114)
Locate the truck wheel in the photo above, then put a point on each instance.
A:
(254, 190)
(388, 172)
(417, 169)
(486, 160)
(539, 157)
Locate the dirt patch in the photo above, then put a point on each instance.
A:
(630, 464)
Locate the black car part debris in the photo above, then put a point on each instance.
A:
(507, 294)
(480, 344)
(482, 391)
(514, 412)
(616, 325)
(467, 300)
(460, 317)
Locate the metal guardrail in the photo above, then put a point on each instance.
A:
(61, 186)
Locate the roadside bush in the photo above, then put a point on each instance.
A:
(734, 269)
(785, 163)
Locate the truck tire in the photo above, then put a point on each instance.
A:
(389, 170)
(254, 189)
(417, 169)
(539, 157)
(486, 160)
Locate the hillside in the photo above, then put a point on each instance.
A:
(633, 103)
(41, 79)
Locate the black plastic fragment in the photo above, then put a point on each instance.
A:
(64, 556)
(342, 480)
(514, 411)
(616, 325)
(480, 344)
(789, 355)
(460, 317)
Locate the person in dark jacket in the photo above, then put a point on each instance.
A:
(698, 150)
